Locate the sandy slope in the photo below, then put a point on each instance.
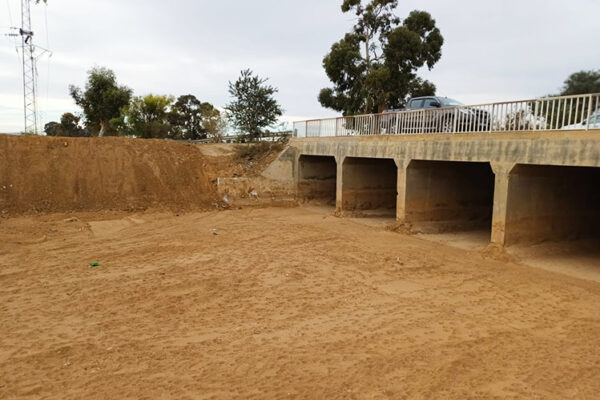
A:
(56, 174)
(282, 303)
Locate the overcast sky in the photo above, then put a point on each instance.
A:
(493, 51)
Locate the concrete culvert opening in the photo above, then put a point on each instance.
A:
(369, 187)
(552, 203)
(553, 218)
(317, 179)
(444, 196)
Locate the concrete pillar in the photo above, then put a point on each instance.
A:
(296, 169)
(339, 190)
(402, 164)
(502, 180)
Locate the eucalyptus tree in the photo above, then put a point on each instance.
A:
(374, 66)
(101, 100)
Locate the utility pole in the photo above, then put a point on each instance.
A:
(29, 67)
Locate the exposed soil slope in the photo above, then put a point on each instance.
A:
(237, 160)
(43, 174)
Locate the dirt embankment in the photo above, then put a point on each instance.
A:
(252, 174)
(43, 174)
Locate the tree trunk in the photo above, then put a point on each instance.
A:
(102, 128)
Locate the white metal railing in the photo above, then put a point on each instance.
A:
(550, 113)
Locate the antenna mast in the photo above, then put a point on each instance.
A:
(29, 67)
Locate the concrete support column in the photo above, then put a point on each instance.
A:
(296, 171)
(339, 190)
(502, 180)
(402, 165)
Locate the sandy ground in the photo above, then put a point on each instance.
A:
(280, 303)
(580, 258)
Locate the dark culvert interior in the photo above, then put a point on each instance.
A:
(553, 218)
(553, 203)
(370, 186)
(444, 196)
(317, 179)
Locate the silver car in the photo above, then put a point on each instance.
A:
(593, 121)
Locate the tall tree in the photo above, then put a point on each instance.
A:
(146, 117)
(53, 128)
(186, 119)
(69, 126)
(582, 82)
(374, 67)
(216, 126)
(253, 107)
(101, 100)
(191, 119)
(213, 122)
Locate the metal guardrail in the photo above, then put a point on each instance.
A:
(270, 136)
(551, 113)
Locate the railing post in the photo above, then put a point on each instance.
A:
(456, 113)
(535, 115)
(305, 128)
(589, 113)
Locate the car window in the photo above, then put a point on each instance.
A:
(446, 102)
(416, 104)
(429, 103)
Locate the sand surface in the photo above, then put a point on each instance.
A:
(280, 303)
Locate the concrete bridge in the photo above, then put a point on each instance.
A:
(523, 186)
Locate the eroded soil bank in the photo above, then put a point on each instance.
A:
(44, 174)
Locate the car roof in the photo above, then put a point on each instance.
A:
(424, 97)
